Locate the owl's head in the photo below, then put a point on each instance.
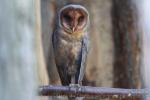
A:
(73, 18)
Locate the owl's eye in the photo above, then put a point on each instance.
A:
(81, 18)
(67, 17)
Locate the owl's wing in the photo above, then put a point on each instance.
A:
(84, 51)
(60, 67)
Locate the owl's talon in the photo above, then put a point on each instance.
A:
(74, 85)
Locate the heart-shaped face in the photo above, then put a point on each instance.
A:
(73, 18)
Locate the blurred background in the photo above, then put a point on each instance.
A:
(114, 59)
(119, 45)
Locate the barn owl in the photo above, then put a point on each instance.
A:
(70, 43)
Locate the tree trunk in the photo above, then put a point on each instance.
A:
(127, 47)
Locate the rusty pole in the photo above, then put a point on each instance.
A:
(88, 91)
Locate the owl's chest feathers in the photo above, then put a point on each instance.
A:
(69, 48)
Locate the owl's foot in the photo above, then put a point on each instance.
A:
(76, 87)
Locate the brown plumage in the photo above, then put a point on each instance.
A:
(70, 42)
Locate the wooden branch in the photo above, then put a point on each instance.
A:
(87, 91)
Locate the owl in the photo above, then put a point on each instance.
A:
(70, 43)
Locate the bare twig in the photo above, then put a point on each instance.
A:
(87, 91)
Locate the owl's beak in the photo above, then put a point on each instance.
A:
(73, 29)
(74, 25)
